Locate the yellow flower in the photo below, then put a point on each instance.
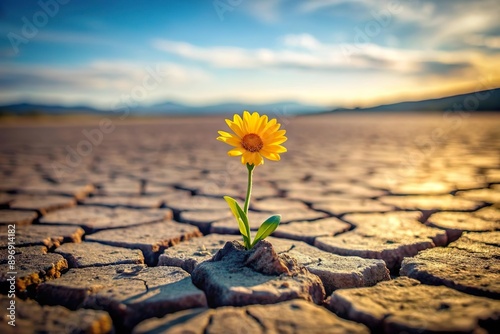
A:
(254, 137)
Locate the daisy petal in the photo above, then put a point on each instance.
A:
(271, 130)
(231, 141)
(225, 134)
(262, 124)
(236, 129)
(269, 124)
(237, 119)
(278, 141)
(246, 158)
(276, 148)
(254, 120)
(270, 156)
(236, 152)
(256, 159)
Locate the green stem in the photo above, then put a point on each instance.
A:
(249, 188)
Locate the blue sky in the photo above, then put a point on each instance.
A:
(318, 52)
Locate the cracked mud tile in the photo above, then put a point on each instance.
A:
(17, 217)
(96, 218)
(402, 235)
(41, 204)
(405, 305)
(340, 206)
(308, 231)
(228, 225)
(33, 266)
(191, 253)
(131, 202)
(455, 223)
(467, 265)
(236, 277)
(431, 203)
(48, 236)
(33, 318)
(129, 293)
(93, 254)
(151, 239)
(61, 189)
(295, 316)
(203, 219)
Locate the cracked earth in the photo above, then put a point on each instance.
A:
(391, 224)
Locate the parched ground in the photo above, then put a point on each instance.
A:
(391, 223)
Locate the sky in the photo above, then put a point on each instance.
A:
(326, 53)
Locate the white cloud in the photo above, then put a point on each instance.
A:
(491, 42)
(101, 81)
(305, 52)
(316, 5)
(429, 23)
(267, 11)
(305, 41)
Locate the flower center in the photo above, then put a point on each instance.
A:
(252, 142)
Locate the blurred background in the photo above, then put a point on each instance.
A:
(219, 56)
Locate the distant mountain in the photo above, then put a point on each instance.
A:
(487, 100)
(279, 108)
(168, 108)
(29, 109)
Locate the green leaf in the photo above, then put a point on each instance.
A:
(241, 218)
(267, 228)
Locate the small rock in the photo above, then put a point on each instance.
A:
(33, 318)
(404, 305)
(48, 236)
(19, 218)
(239, 277)
(151, 239)
(296, 316)
(130, 293)
(93, 254)
(33, 265)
